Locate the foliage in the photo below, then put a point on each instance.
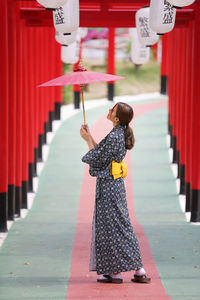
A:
(142, 79)
(67, 90)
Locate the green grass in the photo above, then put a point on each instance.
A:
(67, 90)
(142, 79)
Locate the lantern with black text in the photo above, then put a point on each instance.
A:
(64, 39)
(162, 16)
(66, 17)
(139, 53)
(52, 4)
(70, 54)
(146, 35)
(181, 3)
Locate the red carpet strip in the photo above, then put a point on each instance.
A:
(82, 283)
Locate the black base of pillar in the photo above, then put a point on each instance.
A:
(188, 197)
(170, 133)
(35, 162)
(195, 205)
(182, 179)
(163, 87)
(30, 176)
(57, 110)
(46, 129)
(77, 98)
(172, 141)
(11, 202)
(3, 212)
(51, 118)
(174, 146)
(168, 123)
(40, 143)
(24, 194)
(169, 128)
(18, 200)
(111, 91)
(178, 161)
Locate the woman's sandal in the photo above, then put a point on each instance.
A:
(109, 279)
(141, 279)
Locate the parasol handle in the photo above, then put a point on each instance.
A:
(82, 98)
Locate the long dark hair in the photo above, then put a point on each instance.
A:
(125, 114)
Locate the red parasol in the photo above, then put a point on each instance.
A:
(80, 76)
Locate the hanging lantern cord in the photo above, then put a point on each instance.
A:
(82, 98)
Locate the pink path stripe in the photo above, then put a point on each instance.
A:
(82, 283)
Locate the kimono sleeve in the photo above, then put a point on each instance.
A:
(103, 154)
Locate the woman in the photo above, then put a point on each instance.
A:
(114, 246)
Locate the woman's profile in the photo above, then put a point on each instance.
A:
(114, 245)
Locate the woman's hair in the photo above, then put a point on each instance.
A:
(125, 114)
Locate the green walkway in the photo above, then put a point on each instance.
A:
(35, 258)
(175, 244)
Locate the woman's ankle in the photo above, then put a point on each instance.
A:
(116, 275)
(140, 272)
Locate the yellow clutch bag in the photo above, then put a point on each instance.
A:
(118, 169)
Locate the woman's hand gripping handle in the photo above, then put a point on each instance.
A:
(86, 135)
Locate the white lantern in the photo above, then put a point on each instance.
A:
(70, 54)
(66, 17)
(139, 53)
(52, 4)
(65, 40)
(162, 16)
(83, 32)
(181, 3)
(146, 36)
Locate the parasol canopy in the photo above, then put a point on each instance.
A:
(80, 77)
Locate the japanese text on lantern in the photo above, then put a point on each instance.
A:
(59, 16)
(168, 13)
(144, 28)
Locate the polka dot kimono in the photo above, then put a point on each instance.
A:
(114, 245)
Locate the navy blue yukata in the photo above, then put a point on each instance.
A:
(114, 245)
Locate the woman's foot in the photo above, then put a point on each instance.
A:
(112, 278)
(141, 278)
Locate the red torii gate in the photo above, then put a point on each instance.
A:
(101, 13)
(23, 27)
(107, 13)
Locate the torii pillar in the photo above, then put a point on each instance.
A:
(163, 88)
(4, 118)
(195, 126)
(111, 61)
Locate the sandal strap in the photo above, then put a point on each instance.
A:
(141, 276)
(107, 276)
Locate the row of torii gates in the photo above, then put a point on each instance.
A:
(30, 56)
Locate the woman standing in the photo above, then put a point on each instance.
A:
(114, 246)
